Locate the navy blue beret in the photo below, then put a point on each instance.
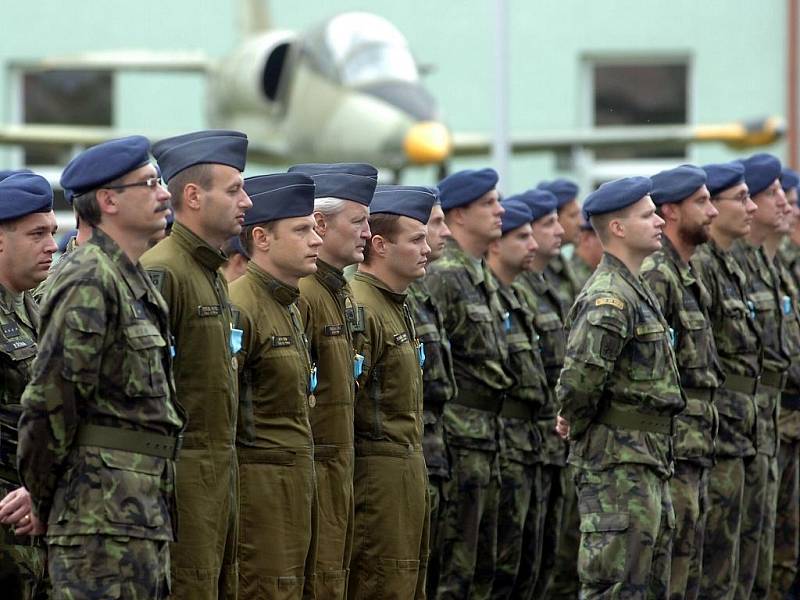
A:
(211, 146)
(721, 176)
(464, 187)
(23, 194)
(517, 214)
(563, 189)
(789, 179)
(410, 201)
(675, 185)
(616, 195)
(9, 172)
(103, 163)
(540, 202)
(760, 170)
(348, 181)
(279, 196)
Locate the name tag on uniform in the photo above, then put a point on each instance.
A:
(401, 338)
(281, 341)
(209, 311)
(331, 330)
(11, 346)
(10, 330)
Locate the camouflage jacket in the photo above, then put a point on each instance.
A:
(389, 397)
(563, 279)
(548, 312)
(104, 359)
(185, 270)
(521, 440)
(789, 254)
(581, 269)
(327, 308)
(738, 346)
(275, 370)
(438, 380)
(41, 289)
(789, 417)
(620, 377)
(683, 299)
(466, 293)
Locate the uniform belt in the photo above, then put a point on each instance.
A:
(140, 442)
(774, 380)
(638, 421)
(702, 394)
(485, 399)
(790, 401)
(741, 383)
(518, 409)
(384, 448)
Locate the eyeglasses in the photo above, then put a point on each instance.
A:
(740, 198)
(151, 183)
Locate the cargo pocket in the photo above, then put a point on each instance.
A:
(142, 368)
(692, 348)
(280, 588)
(479, 334)
(397, 578)
(649, 360)
(603, 554)
(132, 492)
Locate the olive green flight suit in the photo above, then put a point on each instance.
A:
(23, 561)
(277, 512)
(185, 270)
(327, 309)
(390, 548)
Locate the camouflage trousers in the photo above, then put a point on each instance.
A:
(469, 525)
(787, 520)
(689, 490)
(435, 485)
(627, 525)
(91, 567)
(758, 527)
(392, 520)
(564, 583)
(23, 570)
(723, 529)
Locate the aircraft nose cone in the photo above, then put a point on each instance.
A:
(427, 142)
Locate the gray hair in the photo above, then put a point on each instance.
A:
(329, 206)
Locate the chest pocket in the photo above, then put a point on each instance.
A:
(764, 303)
(649, 352)
(735, 335)
(694, 339)
(142, 361)
(521, 357)
(478, 332)
(553, 339)
(18, 357)
(399, 375)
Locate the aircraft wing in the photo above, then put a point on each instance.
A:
(121, 60)
(738, 134)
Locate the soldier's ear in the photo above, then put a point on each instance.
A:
(617, 228)
(106, 201)
(320, 224)
(378, 245)
(191, 196)
(261, 239)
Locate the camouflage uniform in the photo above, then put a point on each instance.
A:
(99, 428)
(761, 473)
(542, 538)
(520, 444)
(185, 269)
(390, 549)
(23, 561)
(738, 348)
(438, 387)
(278, 510)
(787, 520)
(560, 275)
(619, 390)
(581, 270)
(683, 300)
(41, 289)
(473, 318)
(327, 308)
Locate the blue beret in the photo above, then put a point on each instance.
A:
(675, 185)
(760, 170)
(410, 201)
(211, 146)
(22, 194)
(540, 202)
(279, 196)
(517, 214)
(789, 179)
(721, 176)
(464, 187)
(103, 163)
(563, 189)
(348, 181)
(9, 172)
(616, 195)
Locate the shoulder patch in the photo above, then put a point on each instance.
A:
(157, 277)
(615, 302)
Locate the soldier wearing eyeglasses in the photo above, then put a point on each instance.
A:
(100, 424)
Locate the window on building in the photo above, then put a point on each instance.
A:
(640, 93)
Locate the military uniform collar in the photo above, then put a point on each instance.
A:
(375, 282)
(476, 275)
(419, 290)
(557, 264)
(71, 245)
(330, 276)
(684, 268)
(285, 294)
(132, 274)
(211, 258)
(6, 301)
(612, 262)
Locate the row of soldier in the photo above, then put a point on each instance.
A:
(310, 466)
